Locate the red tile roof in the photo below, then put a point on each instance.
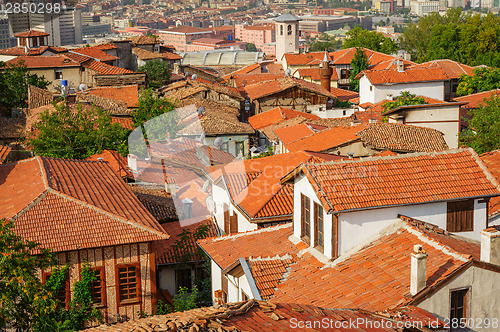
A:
(45, 61)
(301, 59)
(344, 57)
(117, 162)
(326, 139)
(377, 277)
(276, 115)
(127, 93)
(67, 205)
(313, 73)
(476, 99)
(4, 152)
(293, 133)
(451, 68)
(269, 272)
(186, 29)
(105, 69)
(492, 162)
(31, 33)
(431, 176)
(409, 75)
(94, 52)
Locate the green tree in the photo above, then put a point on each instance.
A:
(14, 81)
(358, 63)
(25, 303)
(158, 73)
(372, 40)
(249, 47)
(484, 79)
(483, 134)
(75, 133)
(405, 98)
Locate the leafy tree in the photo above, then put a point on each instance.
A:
(405, 98)
(372, 40)
(249, 47)
(75, 133)
(484, 79)
(14, 81)
(483, 134)
(359, 63)
(158, 73)
(25, 303)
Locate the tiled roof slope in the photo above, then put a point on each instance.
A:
(95, 206)
(492, 162)
(128, 93)
(377, 277)
(402, 138)
(408, 179)
(409, 75)
(269, 272)
(276, 115)
(263, 316)
(313, 73)
(45, 61)
(31, 33)
(157, 201)
(476, 99)
(143, 54)
(451, 68)
(117, 162)
(326, 139)
(293, 133)
(104, 69)
(167, 254)
(95, 52)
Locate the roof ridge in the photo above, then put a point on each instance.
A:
(41, 196)
(45, 176)
(106, 213)
(249, 233)
(436, 244)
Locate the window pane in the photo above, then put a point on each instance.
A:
(128, 283)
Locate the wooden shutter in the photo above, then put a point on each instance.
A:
(224, 286)
(226, 219)
(302, 215)
(460, 216)
(233, 224)
(335, 223)
(318, 226)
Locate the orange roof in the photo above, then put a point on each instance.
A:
(242, 80)
(186, 29)
(127, 93)
(244, 70)
(68, 205)
(167, 253)
(325, 139)
(313, 73)
(433, 177)
(95, 52)
(31, 33)
(409, 75)
(476, 99)
(117, 162)
(492, 162)
(451, 68)
(344, 57)
(45, 61)
(105, 69)
(4, 152)
(294, 133)
(377, 277)
(304, 58)
(260, 27)
(276, 115)
(268, 273)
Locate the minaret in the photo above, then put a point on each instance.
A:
(287, 35)
(325, 72)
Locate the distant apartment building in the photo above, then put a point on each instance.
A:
(423, 7)
(4, 32)
(206, 44)
(258, 35)
(322, 23)
(180, 36)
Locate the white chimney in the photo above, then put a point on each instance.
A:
(132, 162)
(490, 245)
(400, 65)
(171, 187)
(418, 279)
(187, 208)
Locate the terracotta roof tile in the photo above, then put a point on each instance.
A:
(105, 69)
(125, 122)
(95, 206)
(313, 73)
(293, 133)
(409, 75)
(45, 61)
(492, 162)
(276, 115)
(143, 54)
(269, 272)
(402, 138)
(118, 163)
(326, 139)
(451, 68)
(389, 179)
(127, 93)
(95, 53)
(12, 128)
(476, 99)
(304, 58)
(158, 202)
(144, 40)
(31, 33)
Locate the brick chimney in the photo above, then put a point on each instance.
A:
(325, 73)
(490, 245)
(418, 279)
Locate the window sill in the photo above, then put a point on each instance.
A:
(306, 240)
(129, 302)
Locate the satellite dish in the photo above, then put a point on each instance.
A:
(82, 87)
(218, 142)
(201, 110)
(194, 77)
(288, 72)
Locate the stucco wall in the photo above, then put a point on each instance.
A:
(484, 296)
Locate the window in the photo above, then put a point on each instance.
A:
(460, 216)
(225, 287)
(97, 287)
(225, 147)
(281, 30)
(318, 226)
(63, 294)
(244, 297)
(240, 149)
(233, 224)
(371, 87)
(128, 283)
(22, 41)
(183, 279)
(305, 217)
(459, 304)
(334, 236)
(344, 74)
(289, 30)
(58, 75)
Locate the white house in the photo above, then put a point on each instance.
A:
(377, 85)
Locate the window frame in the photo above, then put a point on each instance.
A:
(138, 299)
(305, 218)
(67, 291)
(184, 270)
(56, 72)
(466, 302)
(319, 215)
(103, 287)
